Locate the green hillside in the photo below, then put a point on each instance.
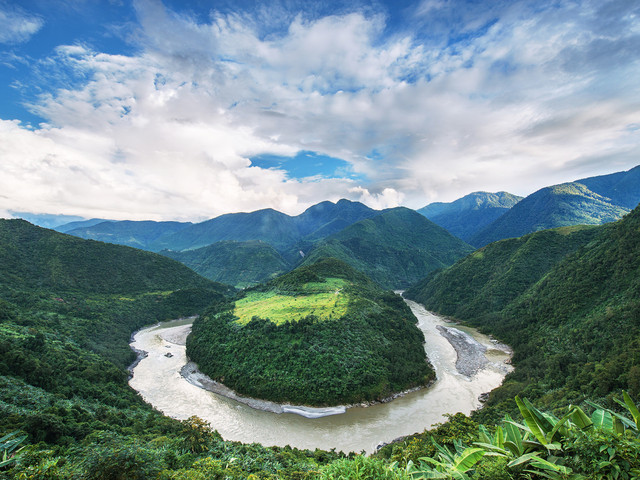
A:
(321, 335)
(138, 234)
(468, 215)
(490, 278)
(557, 206)
(395, 248)
(67, 310)
(623, 188)
(36, 258)
(240, 264)
(574, 330)
(283, 232)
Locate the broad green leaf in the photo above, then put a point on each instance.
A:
(580, 419)
(522, 459)
(468, 459)
(632, 408)
(602, 419)
(513, 437)
(557, 428)
(499, 437)
(515, 449)
(542, 463)
(618, 426)
(531, 421)
(490, 448)
(483, 435)
(546, 421)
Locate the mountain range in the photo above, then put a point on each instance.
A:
(243, 249)
(395, 248)
(565, 299)
(592, 201)
(481, 218)
(471, 213)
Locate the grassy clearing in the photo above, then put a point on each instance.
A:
(324, 300)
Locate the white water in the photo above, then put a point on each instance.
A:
(157, 378)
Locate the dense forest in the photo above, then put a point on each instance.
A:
(368, 353)
(566, 300)
(395, 248)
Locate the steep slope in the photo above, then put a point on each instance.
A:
(323, 334)
(487, 280)
(37, 258)
(470, 214)
(557, 206)
(68, 307)
(395, 248)
(575, 330)
(240, 264)
(623, 188)
(138, 234)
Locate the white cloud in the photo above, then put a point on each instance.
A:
(388, 198)
(17, 26)
(527, 101)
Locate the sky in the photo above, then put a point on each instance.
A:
(188, 109)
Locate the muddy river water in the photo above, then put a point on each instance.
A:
(157, 378)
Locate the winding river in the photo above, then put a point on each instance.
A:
(157, 378)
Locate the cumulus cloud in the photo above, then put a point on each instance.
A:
(516, 99)
(16, 25)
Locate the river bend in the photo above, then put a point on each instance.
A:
(158, 380)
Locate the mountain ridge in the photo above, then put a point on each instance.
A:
(467, 215)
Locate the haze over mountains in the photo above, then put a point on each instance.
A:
(468, 215)
(242, 249)
(565, 300)
(592, 201)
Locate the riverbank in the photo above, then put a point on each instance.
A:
(195, 377)
(158, 380)
(470, 359)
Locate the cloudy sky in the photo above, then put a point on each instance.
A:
(185, 110)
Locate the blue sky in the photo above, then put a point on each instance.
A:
(189, 109)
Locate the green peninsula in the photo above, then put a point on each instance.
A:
(323, 334)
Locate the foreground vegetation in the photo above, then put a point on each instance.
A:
(336, 338)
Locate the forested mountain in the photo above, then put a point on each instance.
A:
(468, 215)
(490, 278)
(67, 310)
(279, 230)
(623, 188)
(395, 248)
(67, 227)
(138, 234)
(37, 258)
(573, 324)
(323, 334)
(240, 264)
(593, 201)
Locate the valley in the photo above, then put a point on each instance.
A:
(320, 327)
(159, 381)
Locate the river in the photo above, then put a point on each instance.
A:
(157, 378)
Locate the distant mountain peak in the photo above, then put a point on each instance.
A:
(468, 215)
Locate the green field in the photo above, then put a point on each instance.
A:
(324, 300)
